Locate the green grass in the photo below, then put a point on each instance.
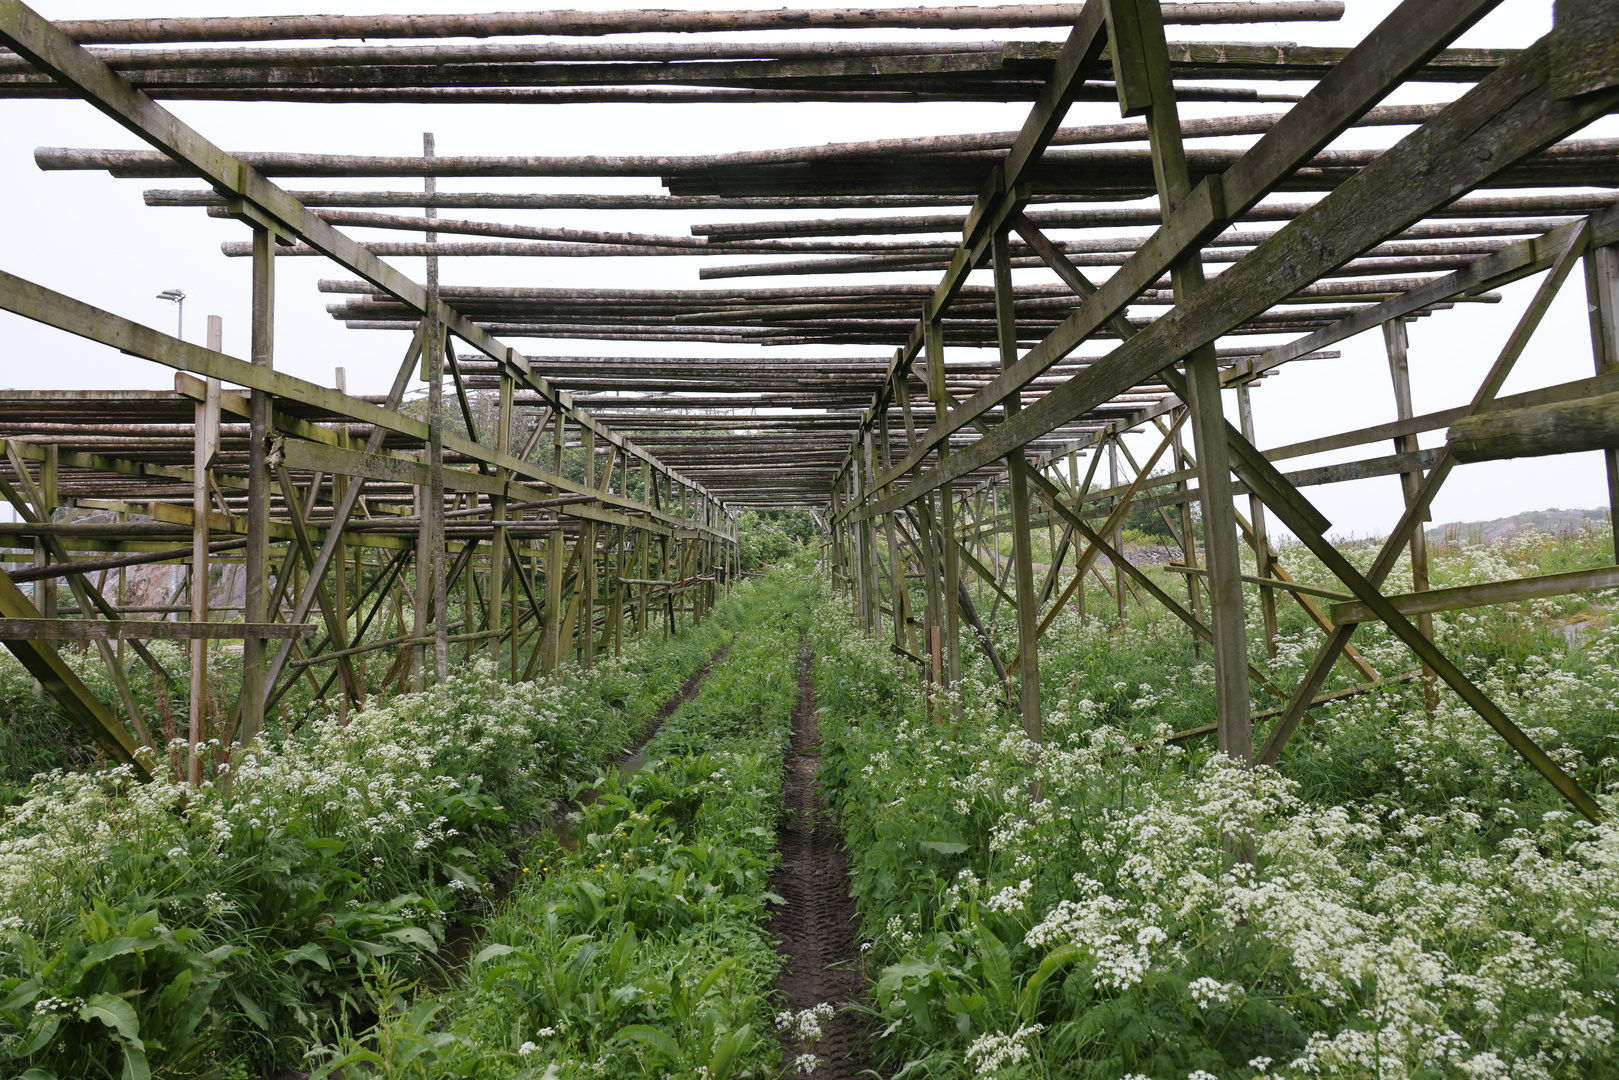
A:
(1401, 897)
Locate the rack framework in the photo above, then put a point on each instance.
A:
(915, 463)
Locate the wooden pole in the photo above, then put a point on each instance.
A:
(422, 599)
(1117, 539)
(1397, 344)
(1256, 511)
(1602, 301)
(1194, 591)
(256, 556)
(433, 358)
(497, 547)
(1141, 65)
(340, 569)
(572, 23)
(1018, 487)
(205, 444)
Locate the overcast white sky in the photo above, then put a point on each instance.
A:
(92, 237)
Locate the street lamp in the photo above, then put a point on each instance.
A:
(178, 298)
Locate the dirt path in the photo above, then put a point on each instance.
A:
(817, 926)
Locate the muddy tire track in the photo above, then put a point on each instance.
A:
(817, 929)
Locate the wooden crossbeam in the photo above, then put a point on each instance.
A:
(28, 629)
(1484, 595)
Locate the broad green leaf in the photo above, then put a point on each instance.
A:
(708, 980)
(42, 1035)
(254, 1013)
(652, 1038)
(135, 1066)
(944, 847)
(114, 1012)
(997, 964)
(729, 1047)
(118, 946)
(414, 935)
(1029, 1004)
(311, 952)
(22, 995)
(489, 952)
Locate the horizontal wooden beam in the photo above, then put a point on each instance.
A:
(1269, 583)
(1561, 427)
(133, 630)
(1494, 592)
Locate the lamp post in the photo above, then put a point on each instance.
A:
(178, 298)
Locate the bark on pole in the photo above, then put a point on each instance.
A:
(1140, 57)
(1397, 344)
(433, 357)
(205, 445)
(1018, 488)
(1602, 302)
(1256, 512)
(257, 554)
(566, 23)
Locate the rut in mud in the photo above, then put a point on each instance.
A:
(817, 926)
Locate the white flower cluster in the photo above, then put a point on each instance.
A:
(805, 1026)
(994, 1051)
(1012, 899)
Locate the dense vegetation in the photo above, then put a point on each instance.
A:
(639, 949)
(151, 929)
(1401, 898)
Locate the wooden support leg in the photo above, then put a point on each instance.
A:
(1140, 52)
(1256, 511)
(422, 599)
(256, 556)
(1602, 301)
(497, 548)
(1018, 485)
(1117, 536)
(1397, 344)
(205, 440)
(554, 652)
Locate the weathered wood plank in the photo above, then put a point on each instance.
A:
(1494, 592)
(1562, 427)
(28, 629)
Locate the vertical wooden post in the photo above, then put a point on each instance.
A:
(1018, 488)
(1141, 59)
(1398, 345)
(205, 444)
(930, 556)
(1194, 587)
(422, 600)
(497, 509)
(511, 605)
(587, 559)
(933, 339)
(340, 570)
(256, 558)
(433, 360)
(1256, 510)
(615, 607)
(1081, 489)
(554, 651)
(1602, 301)
(665, 545)
(1117, 539)
(643, 550)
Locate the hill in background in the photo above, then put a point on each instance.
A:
(1553, 521)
